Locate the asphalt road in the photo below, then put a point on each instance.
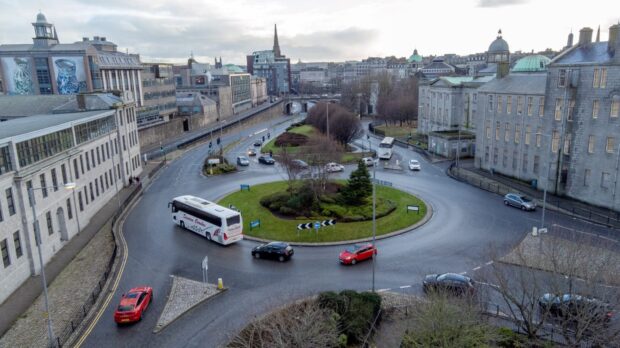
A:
(465, 223)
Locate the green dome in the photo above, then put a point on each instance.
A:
(415, 57)
(233, 68)
(533, 63)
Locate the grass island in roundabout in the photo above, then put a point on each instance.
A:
(270, 203)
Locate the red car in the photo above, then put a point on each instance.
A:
(133, 304)
(357, 253)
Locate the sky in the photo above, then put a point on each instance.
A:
(310, 31)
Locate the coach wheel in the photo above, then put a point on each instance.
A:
(182, 224)
(208, 236)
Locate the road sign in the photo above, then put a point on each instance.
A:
(254, 224)
(413, 208)
(328, 222)
(244, 187)
(213, 161)
(317, 225)
(382, 182)
(304, 226)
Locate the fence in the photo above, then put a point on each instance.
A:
(82, 311)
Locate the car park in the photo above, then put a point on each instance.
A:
(334, 167)
(414, 165)
(357, 253)
(251, 152)
(575, 307)
(452, 283)
(258, 143)
(133, 304)
(520, 201)
(243, 161)
(265, 159)
(368, 161)
(275, 250)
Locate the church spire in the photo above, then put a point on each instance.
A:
(598, 34)
(276, 44)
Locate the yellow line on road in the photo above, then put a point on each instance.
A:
(90, 328)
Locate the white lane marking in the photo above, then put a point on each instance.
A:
(489, 263)
(405, 286)
(463, 273)
(477, 268)
(260, 131)
(384, 290)
(487, 284)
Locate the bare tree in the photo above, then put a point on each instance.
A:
(303, 325)
(344, 126)
(292, 169)
(320, 151)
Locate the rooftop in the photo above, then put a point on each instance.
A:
(595, 52)
(28, 105)
(533, 63)
(517, 83)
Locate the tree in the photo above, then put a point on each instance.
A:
(320, 151)
(292, 169)
(344, 126)
(359, 186)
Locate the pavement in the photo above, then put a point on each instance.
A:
(20, 301)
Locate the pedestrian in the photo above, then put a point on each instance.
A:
(270, 153)
(137, 180)
(130, 180)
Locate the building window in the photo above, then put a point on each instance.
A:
(80, 202)
(517, 133)
(31, 199)
(10, 202)
(37, 149)
(488, 131)
(98, 157)
(558, 109)
(499, 104)
(567, 142)
(586, 177)
(82, 164)
(86, 194)
(490, 102)
(54, 179)
(92, 192)
(509, 104)
(555, 141)
(486, 154)
(6, 260)
(609, 145)
(507, 132)
(495, 156)
(87, 161)
(541, 106)
(603, 83)
(515, 158)
(571, 110)
(92, 157)
(50, 225)
(497, 127)
(615, 107)
(595, 108)
(75, 168)
(596, 80)
(530, 106)
(519, 105)
(505, 158)
(5, 157)
(536, 164)
(63, 172)
(69, 211)
(591, 144)
(43, 185)
(605, 178)
(1, 217)
(17, 242)
(562, 78)
(528, 133)
(524, 167)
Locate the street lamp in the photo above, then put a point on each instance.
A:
(37, 236)
(374, 220)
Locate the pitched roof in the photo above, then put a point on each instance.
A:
(533, 83)
(28, 105)
(24, 125)
(596, 52)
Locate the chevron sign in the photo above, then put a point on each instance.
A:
(311, 225)
(328, 223)
(307, 226)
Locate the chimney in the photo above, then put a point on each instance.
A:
(103, 38)
(585, 36)
(84, 39)
(613, 45)
(81, 101)
(570, 40)
(502, 69)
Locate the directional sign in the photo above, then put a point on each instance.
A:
(413, 208)
(245, 187)
(382, 182)
(305, 226)
(317, 225)
(254, 224)
(328, 222)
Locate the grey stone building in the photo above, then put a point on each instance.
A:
(273, 66)
(159, 94)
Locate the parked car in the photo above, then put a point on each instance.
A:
(332, 167)
(414, 165)
(243, 161)
(299, 164)
(251, 152)
(519, 201)
(258, 143)
(357, 253)
(133, 304)
(275, 250)
(573, 306)
(368, 161)
(452, 283)
(265, 159)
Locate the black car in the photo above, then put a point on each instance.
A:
(573, 307)
(275, 250)
(297, 163)
(258, 143)
(266, 160)
(453, 283)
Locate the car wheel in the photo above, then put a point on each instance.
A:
(353, 262)
(524, 208)
(208, 236)
(505, 202)
(256, 255)
(182, 224)
(281, 258)
(140, 319)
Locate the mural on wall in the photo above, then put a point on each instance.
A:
(70, 76)
(18, 75)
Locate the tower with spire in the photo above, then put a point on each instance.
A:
(276, 44)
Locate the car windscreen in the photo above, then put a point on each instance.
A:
(526, 199)
(233, 220)
(353, 248)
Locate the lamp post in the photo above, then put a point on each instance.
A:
(374, 220)
(37, 236)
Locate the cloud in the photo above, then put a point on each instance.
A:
(500, 3)
(350, 43)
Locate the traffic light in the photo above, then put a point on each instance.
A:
(263, 138)
(210, 144)
(218, 140)
(268, 135)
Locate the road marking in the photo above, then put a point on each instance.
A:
(405, 286)
(489, 263)
(384, 290)
(463, 273)
(477, 268)
(487, 284)
(260, 131)
(106, 302)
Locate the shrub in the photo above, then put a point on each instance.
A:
(290, 139)
(509, 339)
(288, 211)
(278, 197)
(359, 186)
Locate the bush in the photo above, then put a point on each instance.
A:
(507, 338)
(290, 139)
(357, 311)
(288, 211)
(279, 198)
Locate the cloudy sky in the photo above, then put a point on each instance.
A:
(316, 30)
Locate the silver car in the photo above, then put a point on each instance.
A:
(520, 201)
(243, 161)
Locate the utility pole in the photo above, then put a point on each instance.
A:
(327, 119)
(374, 215)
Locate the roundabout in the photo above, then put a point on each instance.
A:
(390, 218)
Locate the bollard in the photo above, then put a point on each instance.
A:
(220, 284)
(534, 231)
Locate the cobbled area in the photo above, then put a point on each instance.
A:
(185, 295)
(66, 293)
